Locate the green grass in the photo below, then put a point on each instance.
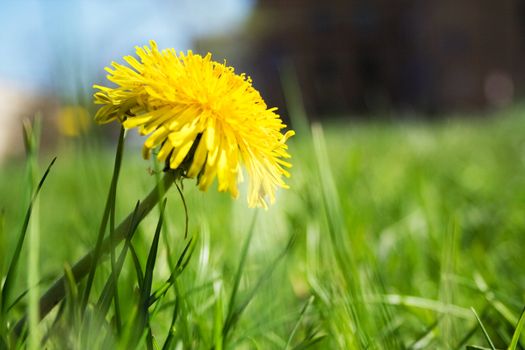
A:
(389, 236)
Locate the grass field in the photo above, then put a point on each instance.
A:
(391, 236)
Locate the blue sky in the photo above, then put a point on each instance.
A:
(58, 44)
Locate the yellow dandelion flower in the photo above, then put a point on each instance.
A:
(204, 119)
(73, 121)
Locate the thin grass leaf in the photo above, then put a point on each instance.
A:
(218, 316)
(142, 318)
(490, 296)
(150, 340)
(423, 303)
(294, 99)
(150, 264)
(72, 296)
(31, 132)
(467, 335)
(108, 292)
(299, 320)
(487, 337)
(3, 343)
(129, 333)
(332, 207)
(167, 241)
(136, 264)
(390, 330)
(32, 141)
(472, 330)
(24, 293)
(517, 332)
(54, 324)
(185, 327)
(308, 343)
(110, 204)
(358, 318)
(237, 278)
(234, 316)
(116, 267)
(11, 272)
(2, 241)
(171, 333)
(447, 290)
(181, 264)
(423, 340)
(81, 268)
(33, 253)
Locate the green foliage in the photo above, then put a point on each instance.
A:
(389, 236)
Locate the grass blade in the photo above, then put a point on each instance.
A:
(142, 318)
(517, 332)
(110, 204)
(218, 319)
(301, 315)
(181, 264)
(171, 333)
(423, 303)
(3, 251)
(150, 266)
(54, 324)
(237, 279)
(33, 248)
(11, 272)
(81, 268)
(491, 344)
(109, 290)
(310, 342)
(423, 340)
(294, 99)
(490, 296)
(136, 265)
(234, 316)
(72, 295)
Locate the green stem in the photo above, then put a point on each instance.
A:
(57, 291)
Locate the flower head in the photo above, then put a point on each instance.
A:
(205, 120)
(73, 121)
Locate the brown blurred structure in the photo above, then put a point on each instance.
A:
(18, 104)
(369, 55)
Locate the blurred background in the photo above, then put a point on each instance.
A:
(410, 188)
(334, 58)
